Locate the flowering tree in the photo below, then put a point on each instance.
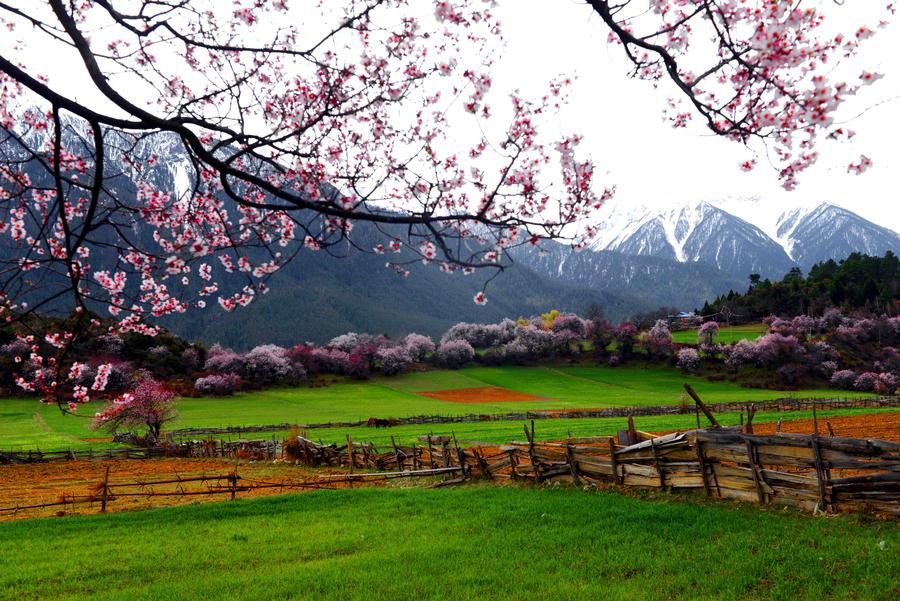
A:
(688, 360)
(658, 340)
(706, 335)
(149, 406)
(293, 126)
(418, 346)
(453, 354)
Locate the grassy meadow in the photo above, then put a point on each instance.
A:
(727, 334)
(26, 424)
(472, 542)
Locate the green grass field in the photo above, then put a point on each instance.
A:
(26, 424)
(499, 432)
(473, 542)
(727, 334)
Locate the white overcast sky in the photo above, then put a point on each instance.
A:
(654, 164)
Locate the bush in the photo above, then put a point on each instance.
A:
(844, 378)
(418, 346)
(625, 336)
(222, 360)
(867, 382)
(658, 341)
(266, 364)
(217, 384)
(393, 360)
(739, 354)
(688, 360)
(453, 354)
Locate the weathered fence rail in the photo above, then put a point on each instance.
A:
(230, 484)
(813, 472)
(785, 404)
(242, 449)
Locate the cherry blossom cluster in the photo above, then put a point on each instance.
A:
(752, 70)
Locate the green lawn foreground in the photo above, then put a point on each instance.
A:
(472, 542)
(26, 424)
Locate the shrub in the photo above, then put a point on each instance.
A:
(418, 346)
(890, 382)
(844, 378)
(625, 336)
(358, 366)
(564, 342)
(688, 360)
(393, 360)
(217, 384)
(266, 364)
(536, 341)
(569, 322)
(601, 333)
(867, 382)
(658, 340)
(515, 352)
(479, 335)
(739, 354)
(190, 358)
(453, 354)
(346, 342)
(222, 360)
(776, 349)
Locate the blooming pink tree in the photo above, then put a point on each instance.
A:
(148, 406)
(298, 119)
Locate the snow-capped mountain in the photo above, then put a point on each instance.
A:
(832, 232)
(701, 232)
(765, 241)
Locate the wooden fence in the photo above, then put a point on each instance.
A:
(813, 472)
(230, 485)
(785, 404)
(241, 449)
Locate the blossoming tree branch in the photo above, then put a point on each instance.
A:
(299, 119)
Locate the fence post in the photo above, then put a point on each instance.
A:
(105, 493)
(233, 480)
(617, 478)
(701, 461)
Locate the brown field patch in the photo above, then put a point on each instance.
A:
(883, 426)
(37, 483)
(481, 394)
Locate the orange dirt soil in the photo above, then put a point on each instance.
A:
(481, 394)
(884, 426)
(36, 483)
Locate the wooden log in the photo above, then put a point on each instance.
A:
(573, 466)
(753, 468)
(105, 493)
(820, 472)
(659, 471)
(698, 447)
(693, 394)
(617, 477)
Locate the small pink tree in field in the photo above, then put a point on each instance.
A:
(688, 360)
(658, 340)
(148, 405)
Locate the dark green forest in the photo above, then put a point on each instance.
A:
(858, 283)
